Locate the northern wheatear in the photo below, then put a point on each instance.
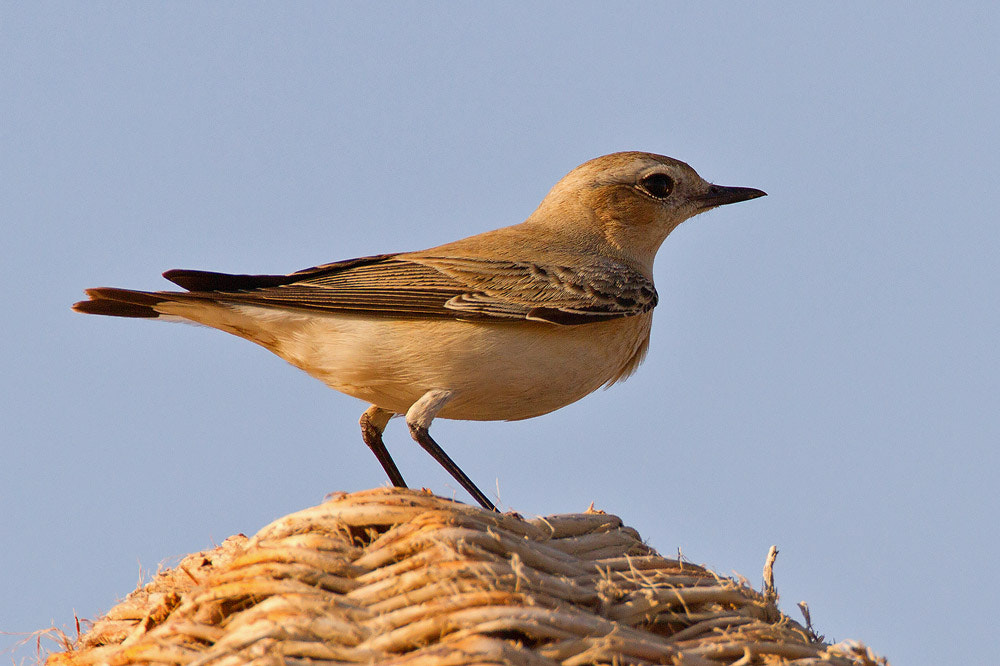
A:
(505, 325)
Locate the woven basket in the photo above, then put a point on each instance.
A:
(394, 576)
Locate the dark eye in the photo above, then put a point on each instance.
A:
(660, 185)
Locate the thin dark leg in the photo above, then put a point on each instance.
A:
(423, 438)
(373, 422)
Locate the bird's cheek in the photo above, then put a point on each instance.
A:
(624, 207)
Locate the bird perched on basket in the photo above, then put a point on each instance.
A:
(504, 325)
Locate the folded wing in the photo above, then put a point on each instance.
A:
(428, 288)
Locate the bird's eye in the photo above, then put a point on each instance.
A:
(659, 185)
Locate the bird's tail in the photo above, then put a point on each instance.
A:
(202, 289)
(116, 302)
(190, 307)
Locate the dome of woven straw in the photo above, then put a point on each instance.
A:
(402, 577)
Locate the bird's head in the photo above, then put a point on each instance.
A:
(632, 200)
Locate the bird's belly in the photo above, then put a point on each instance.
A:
(494, 371)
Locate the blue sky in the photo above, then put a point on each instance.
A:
(824, 365)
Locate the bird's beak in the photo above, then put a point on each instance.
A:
(719, 195)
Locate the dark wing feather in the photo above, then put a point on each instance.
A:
(209, 281)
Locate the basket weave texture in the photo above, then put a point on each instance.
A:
(393, 576)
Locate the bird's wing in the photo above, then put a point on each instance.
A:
(439, 288)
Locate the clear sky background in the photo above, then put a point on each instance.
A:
(824, 365)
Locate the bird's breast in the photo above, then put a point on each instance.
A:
(504, 371)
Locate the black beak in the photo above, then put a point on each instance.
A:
(719, 195)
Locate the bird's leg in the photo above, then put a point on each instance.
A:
(373, 423)
(423, 438)
(419, 418)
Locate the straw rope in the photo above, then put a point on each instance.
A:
(402, 577)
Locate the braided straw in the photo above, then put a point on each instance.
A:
(395, 576)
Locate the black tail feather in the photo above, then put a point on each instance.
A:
(120, 303)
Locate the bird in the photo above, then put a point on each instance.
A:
(508, 324)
